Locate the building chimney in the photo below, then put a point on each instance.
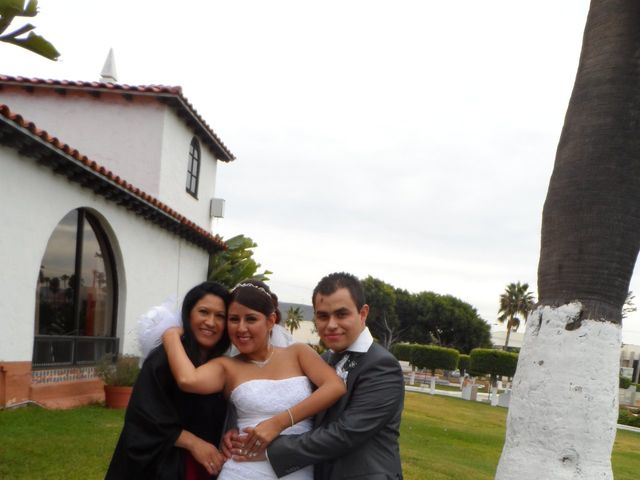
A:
(109, 74)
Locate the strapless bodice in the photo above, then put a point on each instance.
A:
(255, 401)
(259, 399)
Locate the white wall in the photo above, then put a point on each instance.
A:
(141, 140)
(173, 177)
(121, 135)
(153, 263)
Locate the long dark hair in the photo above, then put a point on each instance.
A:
(188, 340)
(257, 296)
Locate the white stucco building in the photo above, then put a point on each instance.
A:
(107, 196)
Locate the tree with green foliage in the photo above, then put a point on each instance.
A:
(235, 264)
(516, 300)
(9, 10)
(383, 319)
(397, 315)
(449, 322)
(407, 313)
(294, 317)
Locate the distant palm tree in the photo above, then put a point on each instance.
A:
(294, 317)
(516, 300)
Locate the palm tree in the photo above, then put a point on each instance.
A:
(294, 317)
(9, 10)
(516, 300)
(563, 411)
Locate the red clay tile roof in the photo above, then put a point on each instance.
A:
(89, 174)
(172, 96)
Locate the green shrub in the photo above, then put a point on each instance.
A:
(626, 417)
(433, 358)
(121, 373)
(496, 363)
(625, 382)
(404, 351)
(463, 364)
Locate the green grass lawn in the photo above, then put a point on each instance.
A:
(448, 438)
(57, 444)
(441, 438)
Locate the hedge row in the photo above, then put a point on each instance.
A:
(435, 358)
(625, 417)
(482, 361)
(497, 363)
(427, 356)
(404, 351)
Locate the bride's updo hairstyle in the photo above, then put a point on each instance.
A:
(257, 296)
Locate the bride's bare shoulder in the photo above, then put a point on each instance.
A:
(229, 362)
(299, 347)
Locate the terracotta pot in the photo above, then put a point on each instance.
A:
(116, 397)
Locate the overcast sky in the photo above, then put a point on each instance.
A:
(408, 140)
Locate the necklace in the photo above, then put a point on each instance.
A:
(262, 363)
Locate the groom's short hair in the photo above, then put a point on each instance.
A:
(334, 281)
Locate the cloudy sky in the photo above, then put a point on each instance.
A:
(408, 140)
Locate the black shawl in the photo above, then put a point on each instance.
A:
(158, 411)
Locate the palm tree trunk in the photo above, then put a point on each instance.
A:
(506, 340)
(562, 418)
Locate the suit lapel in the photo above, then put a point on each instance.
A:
(353, 366)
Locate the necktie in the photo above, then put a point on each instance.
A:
(336, 357)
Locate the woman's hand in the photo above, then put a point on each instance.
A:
(260, 436)
(203, 452)
(230, 440)
(207, 455)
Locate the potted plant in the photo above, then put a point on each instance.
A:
(118, 377)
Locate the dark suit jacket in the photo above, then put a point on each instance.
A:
(358, 436)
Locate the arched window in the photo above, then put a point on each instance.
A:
(193, 169)
(76, 295)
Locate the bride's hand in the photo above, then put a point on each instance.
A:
(260, 436)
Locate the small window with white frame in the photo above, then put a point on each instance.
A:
(193, 170)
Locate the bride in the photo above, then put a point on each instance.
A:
(270, 387)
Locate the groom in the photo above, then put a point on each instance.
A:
(358, 436)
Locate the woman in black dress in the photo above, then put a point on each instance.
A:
(168, 433)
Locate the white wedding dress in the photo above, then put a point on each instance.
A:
(257, 400)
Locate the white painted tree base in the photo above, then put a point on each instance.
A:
(564, 403)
